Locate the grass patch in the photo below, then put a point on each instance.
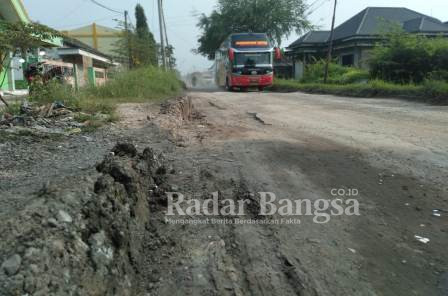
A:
(13, 109)
(435, 92)
(140, 85)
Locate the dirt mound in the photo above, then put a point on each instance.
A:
(181, 108)
(87, 240)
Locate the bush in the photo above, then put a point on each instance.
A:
(50, 92)
(337, 74)
(409, 58)
(139, 85)
(436, 90)
(314, 73)
(354, 75)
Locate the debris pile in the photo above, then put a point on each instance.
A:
(87, 240)
(182, 108)
(54, 118)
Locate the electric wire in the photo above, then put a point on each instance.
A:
(317, 8)
(85, 23)
(105, 7)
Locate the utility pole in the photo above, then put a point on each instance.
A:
(330, 49)
(128, 38)
(168, 59)
(162, 39)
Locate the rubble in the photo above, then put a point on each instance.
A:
(64, 217)
(11, 265)
(54, 118)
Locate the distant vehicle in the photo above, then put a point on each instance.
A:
(246, 60)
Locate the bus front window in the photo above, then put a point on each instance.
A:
(253, 59)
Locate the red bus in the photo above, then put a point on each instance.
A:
(246, 60)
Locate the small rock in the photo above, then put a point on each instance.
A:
(31, 253)
(59, 246)
(34, 268)
(352, 250)
(313, 241)
(29, 284)
(12, 264)
(174, 188)
(88, 139)
(52, 222)
(98, 239)
(75, 131)
(80, 244)
(64, 217)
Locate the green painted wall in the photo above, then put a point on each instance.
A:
(91, 75)
(4, 75)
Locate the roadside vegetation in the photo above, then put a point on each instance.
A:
(97, 105)
(434, 92)
(403, 65)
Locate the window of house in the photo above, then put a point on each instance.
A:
(348, 60)
(99, 74)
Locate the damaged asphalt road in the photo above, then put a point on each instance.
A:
(98, 226)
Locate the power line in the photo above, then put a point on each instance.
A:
(71, 12)
(187, 43)
(86, 23)
(105, 7)
(318, 7)
(312, 4)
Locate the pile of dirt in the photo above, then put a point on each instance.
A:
(54, 118)
(88, 239)
(178, 116)
(181, 108)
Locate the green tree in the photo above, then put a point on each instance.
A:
(137, 45)
(169, 52)
(19, 37)
(277, 18)
(146, 50)
(123, 47)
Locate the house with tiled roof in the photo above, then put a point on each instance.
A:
(354, 38)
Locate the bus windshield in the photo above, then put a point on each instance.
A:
(252, 59)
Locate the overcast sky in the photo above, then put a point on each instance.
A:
(181, 19)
